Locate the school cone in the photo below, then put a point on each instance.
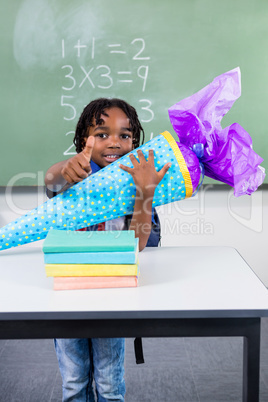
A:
(104, 195)
(205, 148)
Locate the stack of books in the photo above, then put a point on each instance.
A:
(88, 260)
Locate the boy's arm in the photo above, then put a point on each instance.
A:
(54, 180)
(63, 174)
(146, 179)
(141, 221)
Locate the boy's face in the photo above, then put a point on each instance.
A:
(113, 137)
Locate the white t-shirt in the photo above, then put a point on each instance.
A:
(115, 224)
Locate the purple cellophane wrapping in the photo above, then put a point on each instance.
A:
(228, 154)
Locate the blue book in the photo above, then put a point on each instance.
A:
(113, 257)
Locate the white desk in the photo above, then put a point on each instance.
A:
(183, 291)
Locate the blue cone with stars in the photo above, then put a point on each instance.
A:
(104, 195)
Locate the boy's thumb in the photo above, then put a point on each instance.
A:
(89, 147)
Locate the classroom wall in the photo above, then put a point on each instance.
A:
(214, 217)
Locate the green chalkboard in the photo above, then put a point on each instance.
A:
(58, 55)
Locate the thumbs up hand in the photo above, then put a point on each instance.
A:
(78, 167)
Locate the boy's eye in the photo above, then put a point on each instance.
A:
(126, 136)
(102, 135)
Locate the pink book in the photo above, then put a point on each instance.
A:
(94, 282)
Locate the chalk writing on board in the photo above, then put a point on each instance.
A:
(103, 77)
(115, 48)
(138, 55)
(131, 71)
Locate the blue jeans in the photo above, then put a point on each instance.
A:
(81, 360)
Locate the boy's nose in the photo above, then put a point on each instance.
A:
(114, 142)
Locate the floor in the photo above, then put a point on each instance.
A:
(183, 369)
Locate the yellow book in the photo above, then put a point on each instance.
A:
(92, 269)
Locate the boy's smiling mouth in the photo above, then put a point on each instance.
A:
(111, 157)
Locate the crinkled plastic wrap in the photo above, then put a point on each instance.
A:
(228, 154)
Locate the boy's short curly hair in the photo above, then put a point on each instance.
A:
(94, 110)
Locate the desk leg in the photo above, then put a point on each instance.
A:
(251, 362)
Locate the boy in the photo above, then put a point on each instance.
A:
(106, 130)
